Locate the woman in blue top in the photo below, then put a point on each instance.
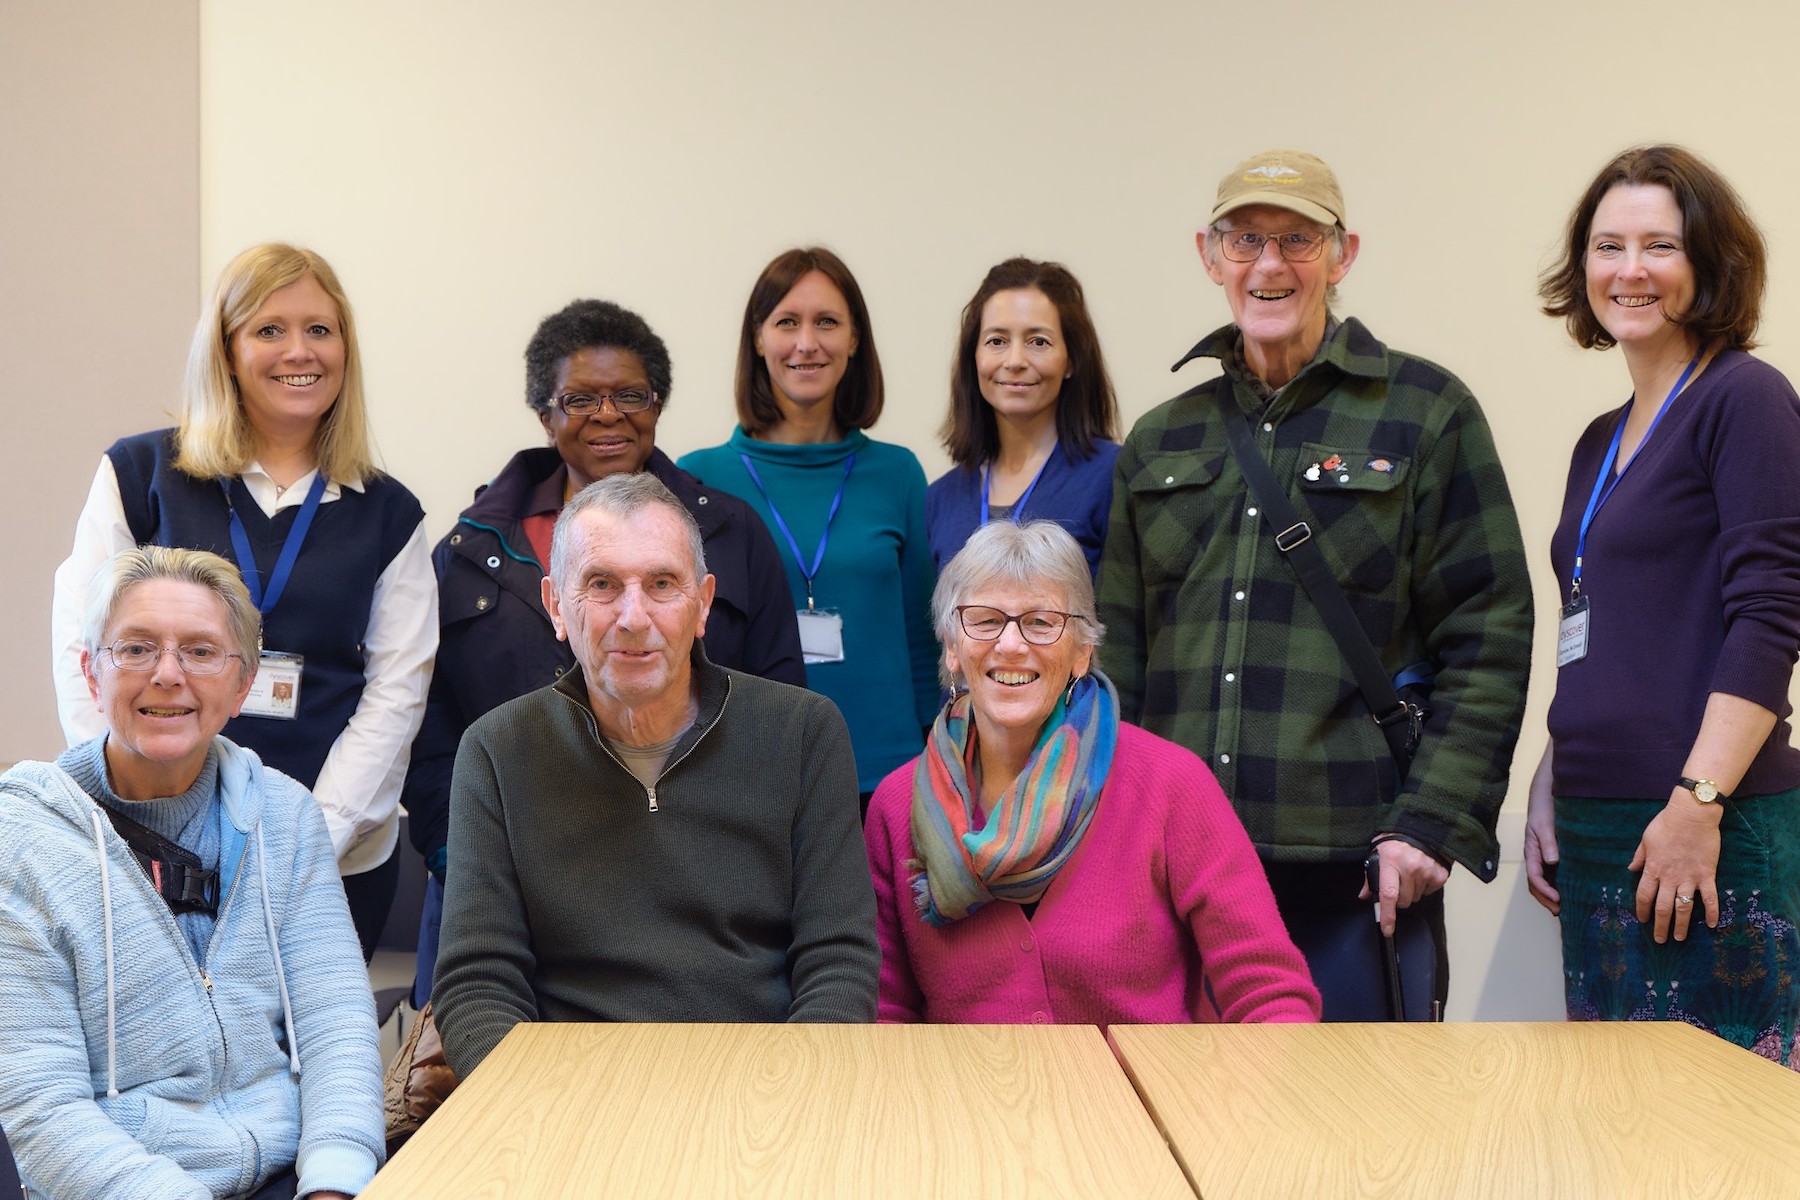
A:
(183, 1015)
(1033, 426)
(848, 513)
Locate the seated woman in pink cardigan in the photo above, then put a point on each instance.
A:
(1043, 862)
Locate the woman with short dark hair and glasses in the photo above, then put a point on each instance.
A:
(1042, 861)
(1664, 820)
(848, 511)
(1033, 426)
(597, 379)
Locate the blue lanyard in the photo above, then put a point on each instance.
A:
(1605, 484)
(290, 549)
(1018, 507)
(819, 555)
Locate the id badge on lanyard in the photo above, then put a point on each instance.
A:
(821, 635)
(275, 691)
(821, 629)
(1573, 630)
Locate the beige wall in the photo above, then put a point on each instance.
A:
(99, 280)
(469, 168)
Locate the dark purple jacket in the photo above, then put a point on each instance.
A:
(1692, 574)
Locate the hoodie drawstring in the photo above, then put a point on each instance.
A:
(287, 1007)
(112, 1046)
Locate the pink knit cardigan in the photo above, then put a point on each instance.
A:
(1163, 915)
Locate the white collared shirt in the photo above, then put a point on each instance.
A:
(359, 786)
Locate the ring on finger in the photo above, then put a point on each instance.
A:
(1680, 899)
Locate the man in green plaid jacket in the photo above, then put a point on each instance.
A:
(1213, 643)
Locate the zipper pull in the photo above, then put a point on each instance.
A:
(652, 792)
(206, 979)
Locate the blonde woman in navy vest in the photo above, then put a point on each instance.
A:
(271, 468)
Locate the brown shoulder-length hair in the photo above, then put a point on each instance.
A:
(857, 404)
(1727, 250)
(216, 439)
(1086, 408)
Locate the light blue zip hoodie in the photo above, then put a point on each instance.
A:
(127, 1072)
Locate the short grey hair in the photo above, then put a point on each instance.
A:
(145, 564)
(1037, 554)
(622, 496)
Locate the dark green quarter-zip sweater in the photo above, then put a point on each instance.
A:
(736, 889)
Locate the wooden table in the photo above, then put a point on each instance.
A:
(1536, 1111)
(921, 1111)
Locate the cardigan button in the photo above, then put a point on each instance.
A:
(1040, 1018)
(1025, 943)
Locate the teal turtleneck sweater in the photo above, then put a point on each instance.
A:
(876, 574)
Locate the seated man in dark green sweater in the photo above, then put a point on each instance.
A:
(653, 838)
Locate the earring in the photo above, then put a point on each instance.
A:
(1069, 695)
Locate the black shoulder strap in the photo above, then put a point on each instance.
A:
(1400, 720)
(174, 871)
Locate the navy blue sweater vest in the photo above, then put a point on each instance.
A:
(323, 613)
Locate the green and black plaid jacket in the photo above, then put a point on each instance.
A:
(1213, 644)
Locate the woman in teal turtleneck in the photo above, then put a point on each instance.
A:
(848, 513)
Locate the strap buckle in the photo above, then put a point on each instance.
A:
(1294, 535)
(1413, 714)
(1401, 711)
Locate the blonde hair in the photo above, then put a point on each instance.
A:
(143, 564)
(216, 440)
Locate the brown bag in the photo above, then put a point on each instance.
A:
(417, 1081)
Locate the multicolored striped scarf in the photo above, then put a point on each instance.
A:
(1036, 824)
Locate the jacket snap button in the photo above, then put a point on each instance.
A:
(456, 539)
(481, 603)
(703, 499)
(493, 562)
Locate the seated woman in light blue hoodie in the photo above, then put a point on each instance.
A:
(183, 1008)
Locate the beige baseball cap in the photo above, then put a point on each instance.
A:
(1290, 179)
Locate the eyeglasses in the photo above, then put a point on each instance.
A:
(1040, 626)
(195, 658)
(586, 404)
(1246, 245)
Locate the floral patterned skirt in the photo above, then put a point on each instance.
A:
(1740, 980)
